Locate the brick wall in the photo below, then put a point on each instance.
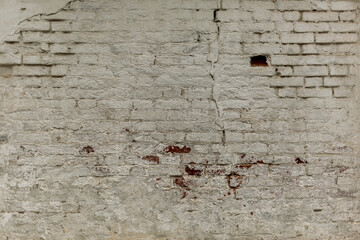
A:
(191, 119)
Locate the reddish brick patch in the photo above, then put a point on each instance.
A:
(87, 149)
(216, 171)
(180, 181)
(177, 149)
(234, 180)
(192, 171)
(246, 165)
(152, 159)
(183, 195)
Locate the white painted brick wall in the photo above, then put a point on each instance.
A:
(149, 120)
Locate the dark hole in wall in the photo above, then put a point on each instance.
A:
(258, 61)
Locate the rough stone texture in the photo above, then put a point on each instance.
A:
(145, 120)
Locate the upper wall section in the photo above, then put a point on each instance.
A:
(14, 11)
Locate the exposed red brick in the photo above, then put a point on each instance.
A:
(180, 181)
(87, 149)
(192, 171)
(177, 149)
(151, 159)
(245, 165)
(184, 195)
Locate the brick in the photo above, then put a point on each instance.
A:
(32, 60)
(321, 5)
(344, 27)
(260, 14)
(5, 70)
(234, 104)
(311, 27)
(309, 49)
(287, 60)
(253, 6)
(10, 59)
(314, 92)
(285, 27)
(346, 38)
(287, 92)
(264, 48)
(231, 15)
(347, 16)
(58, 70)
(325, 37)
(260, 27)
(290, 49)
(338, 70)
(231, 4)
(320, 16)
(342, 92)
(297, 38)
(313, 82)
(269, 38)
(234, 137)
(343, 5)
(12, 38)
(294, 5)
(287, 82)
(338, 81)
(292, 16)
(311, 71)
(285, 71)
(43, 26)
(57, 48)
(31, 71)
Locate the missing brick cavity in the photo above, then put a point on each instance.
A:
(259, 61)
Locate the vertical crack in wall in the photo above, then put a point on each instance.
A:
(357, 85)
(213, 58)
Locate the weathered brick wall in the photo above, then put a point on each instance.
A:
(145, 120)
